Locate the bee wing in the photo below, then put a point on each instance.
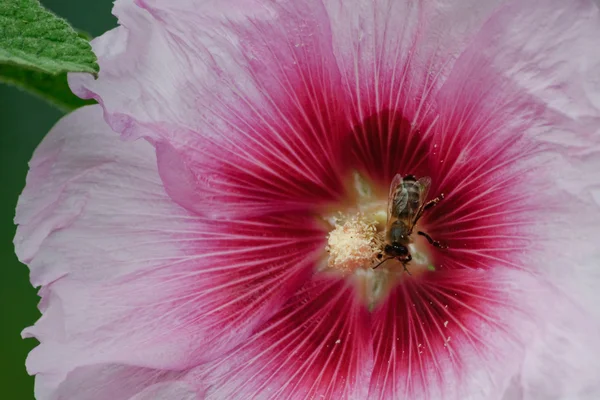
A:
(424, 184)
(397, 199)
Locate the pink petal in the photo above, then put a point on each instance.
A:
(167, 391)
(117, 382)
(128, 276)
(82, 174)
(250, 105)
(561, 362)
(317, 346)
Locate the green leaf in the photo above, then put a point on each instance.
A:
(53, 88)
(37, 49)
(33, 37)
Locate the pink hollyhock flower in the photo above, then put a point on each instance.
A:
(231, 254)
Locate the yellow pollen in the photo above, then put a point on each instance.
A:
(352, 244)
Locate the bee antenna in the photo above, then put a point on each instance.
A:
(389, 258)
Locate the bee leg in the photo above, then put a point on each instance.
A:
(389, 258)
(406, 261)
(433, 202)
(434, 243)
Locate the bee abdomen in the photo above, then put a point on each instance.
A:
(413, 192)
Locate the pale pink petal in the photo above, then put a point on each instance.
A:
(562, 361)
(114, 382)
(250, 101)
(317, 346)
(167, 391)
(128, 276)
(550, 60)
(81, 168)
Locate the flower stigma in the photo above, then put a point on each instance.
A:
(353, 243)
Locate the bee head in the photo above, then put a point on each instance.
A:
(396, 249)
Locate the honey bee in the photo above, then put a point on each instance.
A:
(406, 205)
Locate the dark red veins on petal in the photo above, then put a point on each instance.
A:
(479, 167)
(316, 346)
(429, 333)
(387, 143)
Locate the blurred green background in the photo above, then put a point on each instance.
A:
(24, 120)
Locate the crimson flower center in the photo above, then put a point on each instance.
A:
(356, 244)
